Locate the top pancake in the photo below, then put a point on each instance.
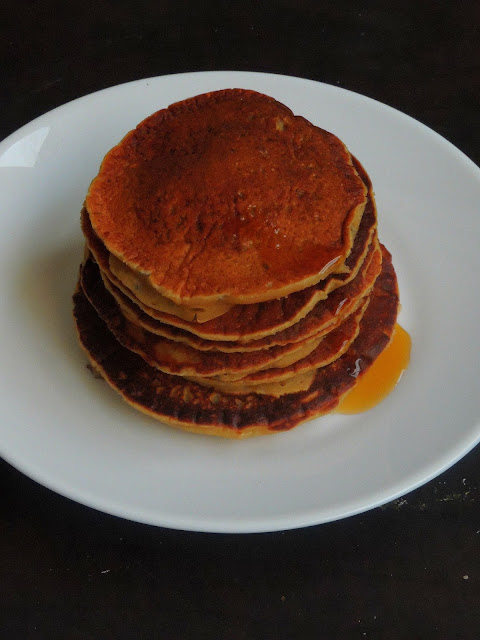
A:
(228, 197)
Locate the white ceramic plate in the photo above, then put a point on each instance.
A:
(73, 434)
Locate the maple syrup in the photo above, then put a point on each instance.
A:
(382, 377)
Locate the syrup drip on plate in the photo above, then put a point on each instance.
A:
(382, 377)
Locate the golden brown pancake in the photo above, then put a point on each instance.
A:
(181, 359)
(163, 307)
(275, 388)
(142, 291)
(193, 407)
(329, 313)
(136, 286)
(233, 282)
(150, 300)
(228, 197)
(255, 320)
(331, 347)
(242, 323)
(92, 279)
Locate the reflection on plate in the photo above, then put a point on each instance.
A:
(70, 432)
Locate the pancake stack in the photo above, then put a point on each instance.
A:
(233, 281)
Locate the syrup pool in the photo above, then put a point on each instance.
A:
(382, 377)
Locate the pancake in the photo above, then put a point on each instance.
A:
(92, 277)
(233, 282)
(228, 197)
(135, 289)
(266, 319)
(181, 359)
(242, 322)
(182, 403)
(163, 306)
(275, 388)
(331, 347)
(136, 285)
(140, 290)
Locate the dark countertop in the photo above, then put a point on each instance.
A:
(410, 569)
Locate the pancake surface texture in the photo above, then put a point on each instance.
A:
(233, 282)
(228, 196)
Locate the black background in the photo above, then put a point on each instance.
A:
(410, 569)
